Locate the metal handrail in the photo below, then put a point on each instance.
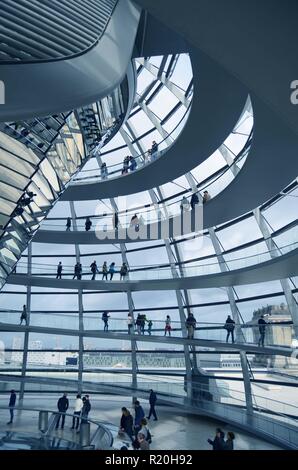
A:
(140, 154)
(209, 181)
(153, 267)
(56, 413)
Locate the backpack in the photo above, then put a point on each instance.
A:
(229, 326)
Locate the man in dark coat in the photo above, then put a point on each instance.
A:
(62, 406)
(230, 327)
(11, 404)
(139, 415)
(152, 402)
(85, 410)
(59, 270)
(194, 200)
(218, 443)
(262, 329)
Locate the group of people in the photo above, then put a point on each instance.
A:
(219, 442)
(105, 271)
(109, 270)
(88, 224)
(141, 320)
(230, 327)
(140, 323)
(152, 153)
(135, 222)
(185, 204)
(190, 324)
(82, 407)
(136, 428)
(81, 411)
(25, 201)
(129, 164)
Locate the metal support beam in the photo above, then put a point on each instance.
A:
(26, 335)
(226, 154)
(274, 253)
(130, 302)
(165, 81)
(80, 305)
(236, 317)
(170, 256)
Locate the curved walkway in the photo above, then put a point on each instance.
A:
(218, 101)
(271, 164)
(247, 347)
(51, 87)
(192, 221)
(281, 267)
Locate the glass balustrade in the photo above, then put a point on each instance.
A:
(276, 333)
(153, 272)
(104, 222)
(141, 160)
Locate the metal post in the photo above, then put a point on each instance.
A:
(26, 336)
(152, 194)
(134, 363)
(43, 420)
(236, 318)
(85, 434)
(275, 252)
(188, 365)
(81, 308)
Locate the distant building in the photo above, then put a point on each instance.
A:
(281, 335)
